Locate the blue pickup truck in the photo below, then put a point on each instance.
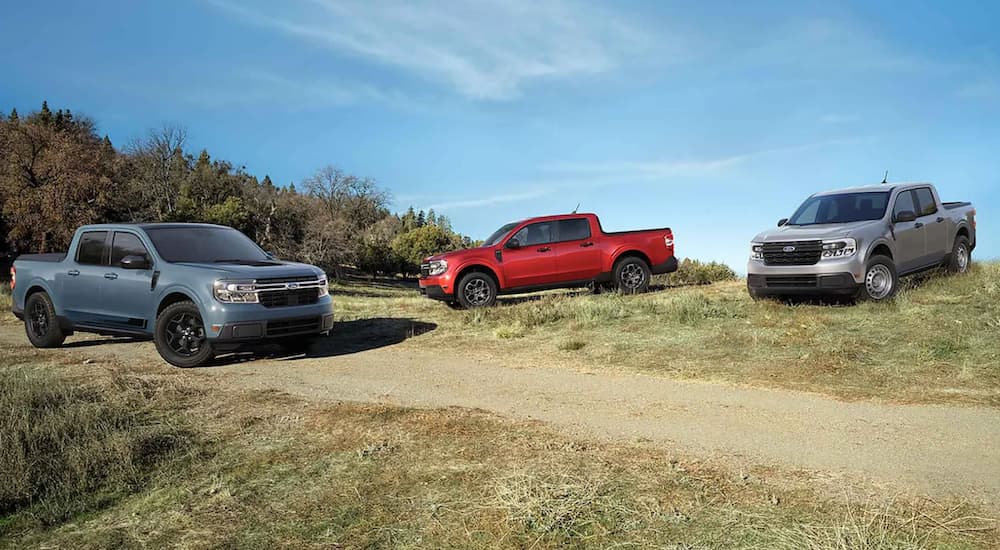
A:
(198, 290)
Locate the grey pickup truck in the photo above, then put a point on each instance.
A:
(859, 241)
(196, 289)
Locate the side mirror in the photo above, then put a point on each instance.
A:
(905, 216)
(513, 244)
(135, 262)
(782, 222)
(272, 255)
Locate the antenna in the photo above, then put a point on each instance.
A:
(575, 209)
(886, 178)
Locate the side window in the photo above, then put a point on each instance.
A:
(126, 244)
(904, 202)
(91, 250)
(926, 200)
(574, 230)
(534, 234)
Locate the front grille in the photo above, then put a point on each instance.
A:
(425, 270)
(288, 298)
(805, 281)
(294, 326)
(299, 279)
(800, 253)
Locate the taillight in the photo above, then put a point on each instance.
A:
(973, 218)
(13, 277)
(668, 240)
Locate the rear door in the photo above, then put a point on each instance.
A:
(935, 226)
(81, 283)
(578, 258)
(131, 288)
(533, 263)
(911, 239)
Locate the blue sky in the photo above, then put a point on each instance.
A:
(715, 118)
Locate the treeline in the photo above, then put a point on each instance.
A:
(57, 173)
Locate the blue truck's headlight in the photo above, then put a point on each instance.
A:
(235, 292)
(437, 267)
(324, 287)
(839, 248)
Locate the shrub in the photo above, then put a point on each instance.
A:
(67, 448)
(694, 272)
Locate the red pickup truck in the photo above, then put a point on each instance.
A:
(563, 251)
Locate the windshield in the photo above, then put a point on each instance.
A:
(842, 208)
(499, 234)
(198, 244)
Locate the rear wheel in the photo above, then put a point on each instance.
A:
(881, 280)
(476, 289)
(632, 275)
(40, 323)
(180, 336)
(961, 256)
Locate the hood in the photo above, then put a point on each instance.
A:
(813, 232)
(462, 253)
(274, 270)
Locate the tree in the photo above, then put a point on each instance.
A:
(413, 246)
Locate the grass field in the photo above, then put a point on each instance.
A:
(936, 342)
(130, 456)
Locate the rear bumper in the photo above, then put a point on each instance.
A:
(826, 283)
(668, 266)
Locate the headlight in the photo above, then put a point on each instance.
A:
(438, 267)
(839, 248)
(757, 252)
(235, 292)
(324, 287)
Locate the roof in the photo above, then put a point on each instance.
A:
(876, 188)
(165, 225)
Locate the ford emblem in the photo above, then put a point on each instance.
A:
(788, 249)
(293, 286)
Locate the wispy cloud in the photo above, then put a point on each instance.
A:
(488, 49)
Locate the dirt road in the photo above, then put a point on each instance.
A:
(935, 450)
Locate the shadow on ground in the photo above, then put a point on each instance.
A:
(347, 337)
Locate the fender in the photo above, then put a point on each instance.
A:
(39, 282)
(478, 262)
(877, 242)
(609, 261)
(176, 288)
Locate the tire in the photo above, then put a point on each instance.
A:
(180, 336)
(476, 289)
(960, 259)
(881, 280)
(632, 275)
(40, 322)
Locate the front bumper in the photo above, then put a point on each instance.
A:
(439, 287)
(826, 283)
(244, 323)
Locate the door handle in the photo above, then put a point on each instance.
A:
(918, 225)
(111, 276)
(544, 249)
(940, 220)
(73, 273)
(585, 245)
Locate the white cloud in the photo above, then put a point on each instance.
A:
(487, 49)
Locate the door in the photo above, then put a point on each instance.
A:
(578, 258)
(81, 283)
(533, 262)
(935, 226)
(911, 239)
(131, 289)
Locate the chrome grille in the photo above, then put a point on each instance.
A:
(793, 253)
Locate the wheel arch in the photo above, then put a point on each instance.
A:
(881, 248)
(172, 297)
(483, 268)
(630, 253)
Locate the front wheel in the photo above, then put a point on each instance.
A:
(881, 280)
(40, 323)
(180, 336)
(476, 289)
(632, 275)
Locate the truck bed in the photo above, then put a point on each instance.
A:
(954, 205)
(52, 257)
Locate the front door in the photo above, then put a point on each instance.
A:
(80, 283)
(129, 290)
(911, 237)
(532, 262)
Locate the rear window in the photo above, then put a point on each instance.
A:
(926, 199)
(574, 230)
(91, 250)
